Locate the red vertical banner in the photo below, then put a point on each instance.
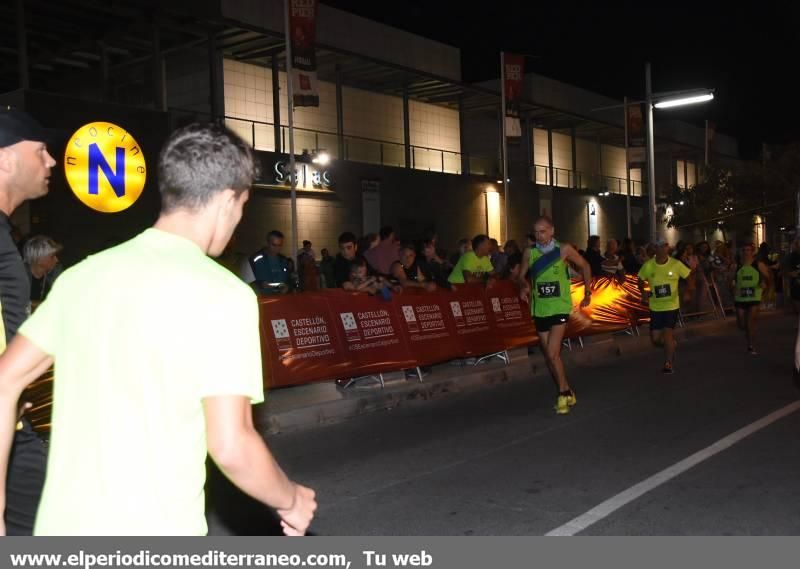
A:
(303, 37)
(711, 131)
(298, 340)
(637, 156)
(513, 84)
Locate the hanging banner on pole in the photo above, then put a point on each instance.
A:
(711, 131)
(513, 82)
(637, 154)
(303, 35)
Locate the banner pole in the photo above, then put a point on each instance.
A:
(505, 144)
(627, 169)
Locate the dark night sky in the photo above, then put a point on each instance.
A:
(749, 54)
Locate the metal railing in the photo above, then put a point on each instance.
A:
(563, 178)
(359, 148)
(261, 135)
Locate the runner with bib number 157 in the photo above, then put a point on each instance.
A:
(551, 301)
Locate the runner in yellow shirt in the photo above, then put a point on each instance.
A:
(663, 274)
(752, 278)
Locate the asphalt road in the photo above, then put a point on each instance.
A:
(500, 462)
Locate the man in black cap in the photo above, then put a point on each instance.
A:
(25, 167)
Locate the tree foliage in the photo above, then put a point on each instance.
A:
(730, 198)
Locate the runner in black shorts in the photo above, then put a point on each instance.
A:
(751, 279)
(551, 300)
(663, 273)
(663, 320)
(545, 323)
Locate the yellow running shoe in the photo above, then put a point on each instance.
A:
(572, 399)
(562, 405)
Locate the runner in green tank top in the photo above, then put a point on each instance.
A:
(551, 303)
(751, 279)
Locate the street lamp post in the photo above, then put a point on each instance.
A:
(651, 158)
(663, 101)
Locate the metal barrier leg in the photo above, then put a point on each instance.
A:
(354, 380)
(502, 355)
(717, 304)
(419, 374)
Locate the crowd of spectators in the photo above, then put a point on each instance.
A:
(382, 264)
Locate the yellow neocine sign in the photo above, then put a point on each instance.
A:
(105, 167)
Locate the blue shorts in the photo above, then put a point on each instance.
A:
(661, 320)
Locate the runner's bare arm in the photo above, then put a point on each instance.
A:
(644, 293)
(20, 365)
(570, 254)
(245, 459)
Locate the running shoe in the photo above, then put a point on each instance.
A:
(572, 399)
(562, 405)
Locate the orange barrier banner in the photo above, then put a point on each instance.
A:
(471, 314)
(431, 333)
(512, 317)
(305, 339)
(369, 329)
(299, 343)
(615, 306)
(336, 334)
